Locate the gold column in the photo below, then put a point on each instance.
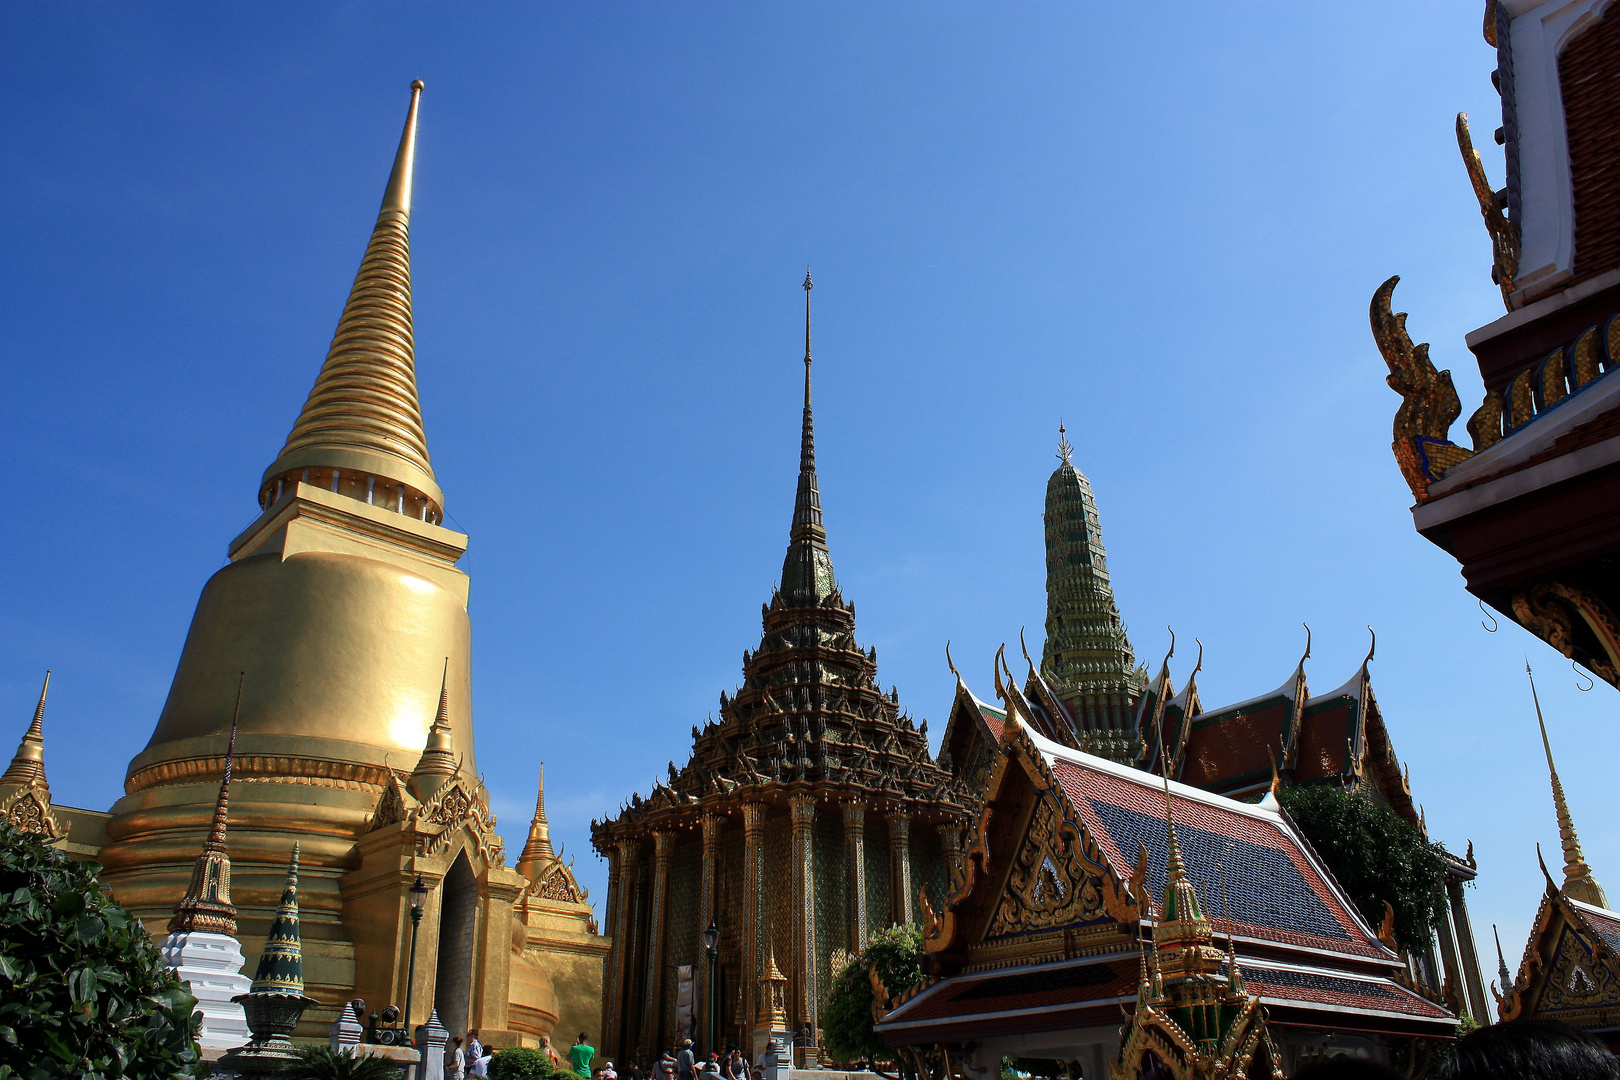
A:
(803, 809)
(623, 943)
(950, 844)
(1467, 953)
(900, 902)
(652, 1012)
(753, 903)
(707, 890)
(855, 875)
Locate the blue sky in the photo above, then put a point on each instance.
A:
(1159, 223)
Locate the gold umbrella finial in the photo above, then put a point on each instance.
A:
(1578, 880)
(28, 764)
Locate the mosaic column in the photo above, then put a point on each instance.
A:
(624, 943)
(950, 844)
(855, 876)
(652, 1014)
(1467, 953)
(803, 808)
(900, 901)
(753, 904)
(707, 913)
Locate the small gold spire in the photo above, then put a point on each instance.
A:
(1578, 880)
(207, 904)
(438, 761)
(28, 765)
(537, 853)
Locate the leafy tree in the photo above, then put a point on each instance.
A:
(323, 1063)
(83, 991)
(1376, 855)
(847, 1022)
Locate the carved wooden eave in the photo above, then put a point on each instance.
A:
(1026, 836)
(1570, 971)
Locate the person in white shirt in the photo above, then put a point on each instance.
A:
(457, 1061)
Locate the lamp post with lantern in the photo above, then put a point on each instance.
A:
(418, 893)
(711, 950)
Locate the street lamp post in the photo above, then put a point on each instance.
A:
(418, 893)
(711, 943)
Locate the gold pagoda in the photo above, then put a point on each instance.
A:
(342, 618)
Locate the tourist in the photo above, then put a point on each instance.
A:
(479, 1066)
(475, 1049)
(666, 1066)
(581, 1054)
(457, 1060)
(685, 1062)
(1529, 1050)
(607, 1072)
(636, 1072)
(550, 1051)
(735, 1068)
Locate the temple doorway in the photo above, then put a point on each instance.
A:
(452, 992)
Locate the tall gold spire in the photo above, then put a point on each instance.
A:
(1180, 901)
(207, 904)
(1578, 880)
(807, 572)
(360, 431)
(28, 765)
(537, 853)
(438, 761)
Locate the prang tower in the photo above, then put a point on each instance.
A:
(1087, 660)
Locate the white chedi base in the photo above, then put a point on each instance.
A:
(211, 965)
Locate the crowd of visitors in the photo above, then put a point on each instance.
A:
(682, 1062)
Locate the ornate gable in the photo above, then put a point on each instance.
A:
(1035, 885)
(1570, 971)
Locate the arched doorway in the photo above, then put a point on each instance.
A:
(458, 916)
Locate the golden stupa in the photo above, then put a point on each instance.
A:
(343, 617)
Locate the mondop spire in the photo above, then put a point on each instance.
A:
(207, 904)
(360, 432)
(807, 572)
(28, 765)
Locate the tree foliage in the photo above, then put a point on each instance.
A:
(323, 1063)
(1375, 855)
(526, 1063)
(83, 991)
(847, 1020)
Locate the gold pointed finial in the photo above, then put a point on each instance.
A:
(537, 854)
(397, 196)
(1180, 898)
(360, 431)
(1065, 451)
(207, 906)
(1578, 880)
(28, 764)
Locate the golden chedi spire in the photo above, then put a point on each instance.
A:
(1578, 880)
(537, 853)
(361, 427)
(28, 764)
(207, 904)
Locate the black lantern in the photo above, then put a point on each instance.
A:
(419, 891)
(711, 938)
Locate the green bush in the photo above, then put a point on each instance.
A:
(846, 1023)
(83, 991)
(526, 1063)
(324, 1063)
(1375, 855)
